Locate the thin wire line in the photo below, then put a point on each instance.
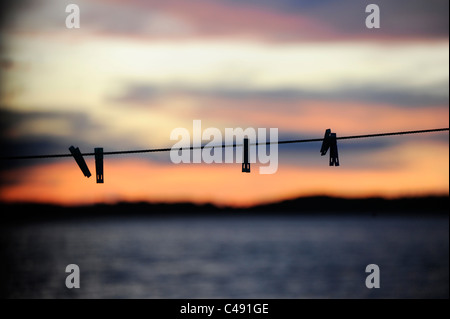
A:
(155, 150)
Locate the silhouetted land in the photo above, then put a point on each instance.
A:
(432, 205)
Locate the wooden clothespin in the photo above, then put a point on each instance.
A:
(330, 142)
(99, 164)
(80, 160)
(246, 163)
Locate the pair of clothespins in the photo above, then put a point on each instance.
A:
(330, 142)
(82, 163)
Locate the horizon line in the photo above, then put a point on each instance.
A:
(237, 207)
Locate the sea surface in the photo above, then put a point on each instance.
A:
(228, 257)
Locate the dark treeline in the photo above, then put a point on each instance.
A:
(431, 205)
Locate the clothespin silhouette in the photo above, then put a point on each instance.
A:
(80, 160)
(99, 164)
(246, 164)
(330, 142)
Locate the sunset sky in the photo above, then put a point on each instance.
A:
(138, 69)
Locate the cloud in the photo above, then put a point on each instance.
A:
(288, 20)
(52, 122)
(400, 18)
(142, 94)
(25, 133)
(284, 20)
(206, 18)
(36, 133)
(413, 74)
(301, 115)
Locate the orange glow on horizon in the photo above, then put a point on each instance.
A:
(133, 180)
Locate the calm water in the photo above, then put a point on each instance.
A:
(233, 257)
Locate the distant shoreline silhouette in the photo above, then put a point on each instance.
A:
(315, 205)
